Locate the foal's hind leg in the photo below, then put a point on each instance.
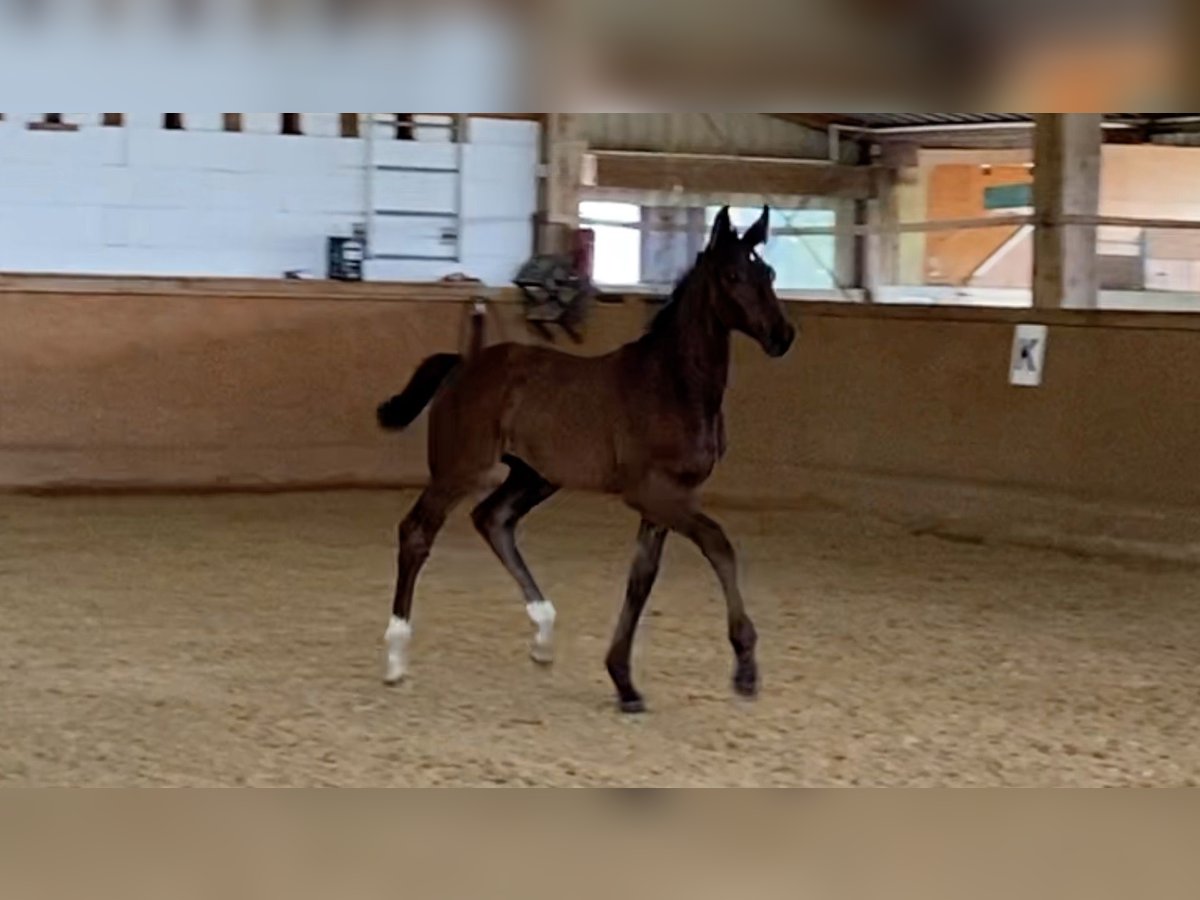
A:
(496, 519)
(416, 536)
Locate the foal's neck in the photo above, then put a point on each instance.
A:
(696, 346)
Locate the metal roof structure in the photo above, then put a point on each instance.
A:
(908, 120)
(989, 130)
(894, 122)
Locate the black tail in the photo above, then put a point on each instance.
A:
(400, 412)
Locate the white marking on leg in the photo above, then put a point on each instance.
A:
(543, 615)
(397, 636)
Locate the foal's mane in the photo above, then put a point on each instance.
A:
(666, 316)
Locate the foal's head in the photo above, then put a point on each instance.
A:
(743, 284)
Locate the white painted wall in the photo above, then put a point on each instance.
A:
(141, 200)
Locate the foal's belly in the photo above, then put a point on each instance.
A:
(569, 461)
(609, 457)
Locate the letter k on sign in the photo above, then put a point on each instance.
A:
(1028, 356)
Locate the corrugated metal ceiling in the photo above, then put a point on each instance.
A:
(933, 120)
(691, 132)
(900, 120)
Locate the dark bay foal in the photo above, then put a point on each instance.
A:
(643, 422)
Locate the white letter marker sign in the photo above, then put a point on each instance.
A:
(1028, 356)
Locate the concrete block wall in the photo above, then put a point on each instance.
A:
(141, 200)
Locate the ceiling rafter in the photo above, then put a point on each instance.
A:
(819, 121)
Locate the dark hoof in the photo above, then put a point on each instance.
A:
(634, 707)
(745, 682)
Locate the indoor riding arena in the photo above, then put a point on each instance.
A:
(964, 504)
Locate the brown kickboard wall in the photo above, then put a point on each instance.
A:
(213, 385)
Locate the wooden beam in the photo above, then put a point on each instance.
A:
(730, 175)
(526, 117)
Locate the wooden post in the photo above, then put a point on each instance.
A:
(846, 245)
(563, 151)
(1067, 149)
(882, 249)
(912, 205)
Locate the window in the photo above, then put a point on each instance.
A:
(52, 122)
(617, 256)
(1008, 197)
(657, 244)
(406, 129)
(173, 121)
(801, 261)
(291, 124)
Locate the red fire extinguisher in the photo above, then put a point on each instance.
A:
(585, 252)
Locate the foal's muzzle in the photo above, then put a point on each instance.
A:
(781, 340)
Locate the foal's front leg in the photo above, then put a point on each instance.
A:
(641, 581)
(711, 539)
(677, 512)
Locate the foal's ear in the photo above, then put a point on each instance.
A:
(758, 233)
(722, 229)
